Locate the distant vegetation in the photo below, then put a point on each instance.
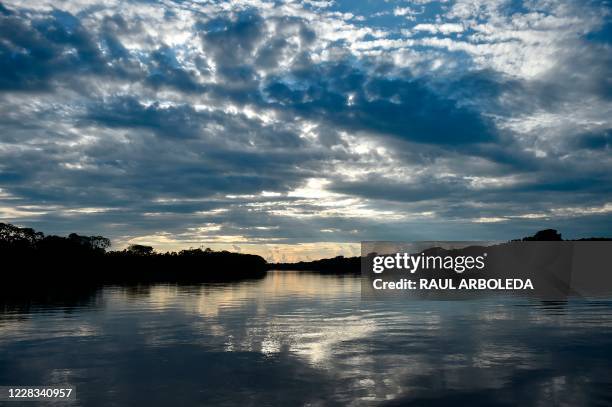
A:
(80, 259)
(551, 235)
(16, 240)
(338, 264)
(342, 264)
(88, 258)
(40, 270)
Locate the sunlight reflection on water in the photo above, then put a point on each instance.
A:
(300, 338)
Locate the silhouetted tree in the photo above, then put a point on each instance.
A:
(84, 262)
(545, 235)
(98, 243)
(86, 259)
(338, 264)
(140, 250)
(18, 238)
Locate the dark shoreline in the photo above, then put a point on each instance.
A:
(33, 258)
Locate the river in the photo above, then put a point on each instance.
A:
(308, 339)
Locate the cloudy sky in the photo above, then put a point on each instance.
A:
(297, 129)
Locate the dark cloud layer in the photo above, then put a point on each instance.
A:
(271, 125)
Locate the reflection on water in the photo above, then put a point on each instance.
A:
(299, 338)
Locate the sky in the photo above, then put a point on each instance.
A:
(295, 130)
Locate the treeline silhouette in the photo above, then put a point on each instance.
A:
(49, 270)
(342, 264)
(30, 255)
(551, 235)
(336, 265)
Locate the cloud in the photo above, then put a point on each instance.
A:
(404, 108)
(257, 124)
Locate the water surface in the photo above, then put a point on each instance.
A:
(307, 339)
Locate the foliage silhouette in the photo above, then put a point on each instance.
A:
(87, 259)
(337, 265)
(68, 271)
(82, 260)
(546, 235)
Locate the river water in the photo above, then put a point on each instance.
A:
(308, 339)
